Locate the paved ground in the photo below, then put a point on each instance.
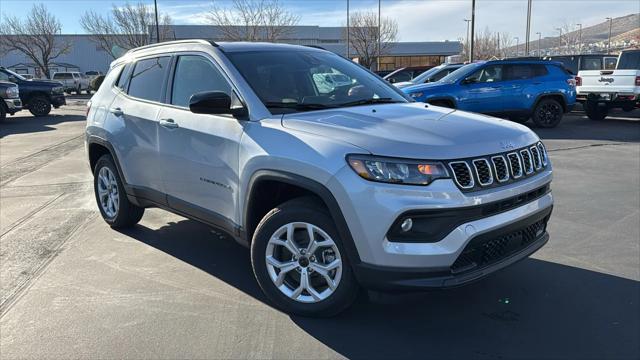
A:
(171, 288)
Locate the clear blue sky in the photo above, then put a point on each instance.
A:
(418, 20)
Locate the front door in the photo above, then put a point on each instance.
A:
(199, 152)
(483, 90)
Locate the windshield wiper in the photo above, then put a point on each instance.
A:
(385, 100)
(297, 106)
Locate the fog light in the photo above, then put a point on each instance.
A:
(406, 225)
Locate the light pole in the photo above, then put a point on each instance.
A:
(155, 4)
(517, 45)
(559, 40)
(539, 37)
(609, 42)
(580, 39)
(473, 25)
(348, 31)
(527, 37)
(468, 47)
(379, 34)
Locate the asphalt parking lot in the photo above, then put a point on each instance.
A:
(172, 288)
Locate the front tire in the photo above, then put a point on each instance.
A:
(111, 198)
(299, 260)
(595, 111)
(40, 106)
(547, 113)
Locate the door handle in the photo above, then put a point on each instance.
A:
(116, 111)
(168, 123)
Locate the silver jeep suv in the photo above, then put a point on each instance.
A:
(334, 185)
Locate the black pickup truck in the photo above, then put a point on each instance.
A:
(37, 95)
(9, 100)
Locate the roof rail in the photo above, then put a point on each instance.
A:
(315, 47)
(166, 43)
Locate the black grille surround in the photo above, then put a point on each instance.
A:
(484, 172)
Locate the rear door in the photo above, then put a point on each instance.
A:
(136, 108)
(199, 152)
(522, 83)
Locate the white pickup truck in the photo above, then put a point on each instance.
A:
(73, 81)
(601, 90)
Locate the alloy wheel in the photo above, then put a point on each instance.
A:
(548, 113)
(303, 262)
(108, 192)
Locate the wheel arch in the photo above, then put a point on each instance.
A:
(37, 93)
(252, 209)
(97, 147)
(554, 95)
(448, 99)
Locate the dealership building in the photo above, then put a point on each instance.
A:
(86, 55)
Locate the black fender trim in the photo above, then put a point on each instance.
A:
(443, 98)
(94, 139)
(565, 107)
(313, 186)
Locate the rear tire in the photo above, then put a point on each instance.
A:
(111, 197)
(595, 111)
(39, 106)
(307, 281)
(548, 113)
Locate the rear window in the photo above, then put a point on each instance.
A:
(590, 63)
(147, 78)
(629, 60)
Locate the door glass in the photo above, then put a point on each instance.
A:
(148, 77)
(591, 64)
(195, 74)
(492, 73)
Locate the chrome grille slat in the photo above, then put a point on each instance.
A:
(498, 169)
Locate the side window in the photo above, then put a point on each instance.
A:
(492, 73)
(148, 77)
(440, 75)
(3, 76)
(610, 63)
(195, 74)
(591, 64)
(518, 72)
(123, 79)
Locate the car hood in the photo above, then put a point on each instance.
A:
(413, 130)
(51, 83)
(432, 86)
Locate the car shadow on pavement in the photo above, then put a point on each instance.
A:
(624, 127)
(534, 309)
(13, 125)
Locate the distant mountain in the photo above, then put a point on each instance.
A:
(623, 29)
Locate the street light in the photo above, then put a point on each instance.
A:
(539, 37)
(526, 46)
(473, 25)
(559, 40)
(609, 42)
(348, 31)
(580, 39)
(155, 4)
(517, 44)
(379, 34)
(468, 21)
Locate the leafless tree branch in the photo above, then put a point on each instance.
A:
(363, 36)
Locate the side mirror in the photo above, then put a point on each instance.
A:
(216, 102)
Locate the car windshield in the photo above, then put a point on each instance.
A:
(425, 75)
(310, 80)
(460, 73)
(16, 74)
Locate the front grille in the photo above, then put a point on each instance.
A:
(498, 169)
(462, 174)
(483, 252)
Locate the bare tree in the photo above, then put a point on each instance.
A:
(489, 45)
(364, 35)
(126, 27)
(35, 36)
(253, 20)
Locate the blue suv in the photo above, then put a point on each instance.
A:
(518, 89)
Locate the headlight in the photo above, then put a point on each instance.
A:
(12, 92)
(416, 95)
(397, 171)
(58, 90)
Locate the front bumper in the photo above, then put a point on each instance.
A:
(13, 105)
(481, 257)
(58, 100)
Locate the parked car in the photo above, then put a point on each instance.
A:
(92, 74)
(72, 81)
(96, 82)
(37, 95)
(432, 75)
(10, 99)
(542, 90)
(576, 63)
(602, 90)
(27, 76)
(405, 73)
(331, 189)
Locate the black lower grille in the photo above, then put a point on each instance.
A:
(482, 252)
